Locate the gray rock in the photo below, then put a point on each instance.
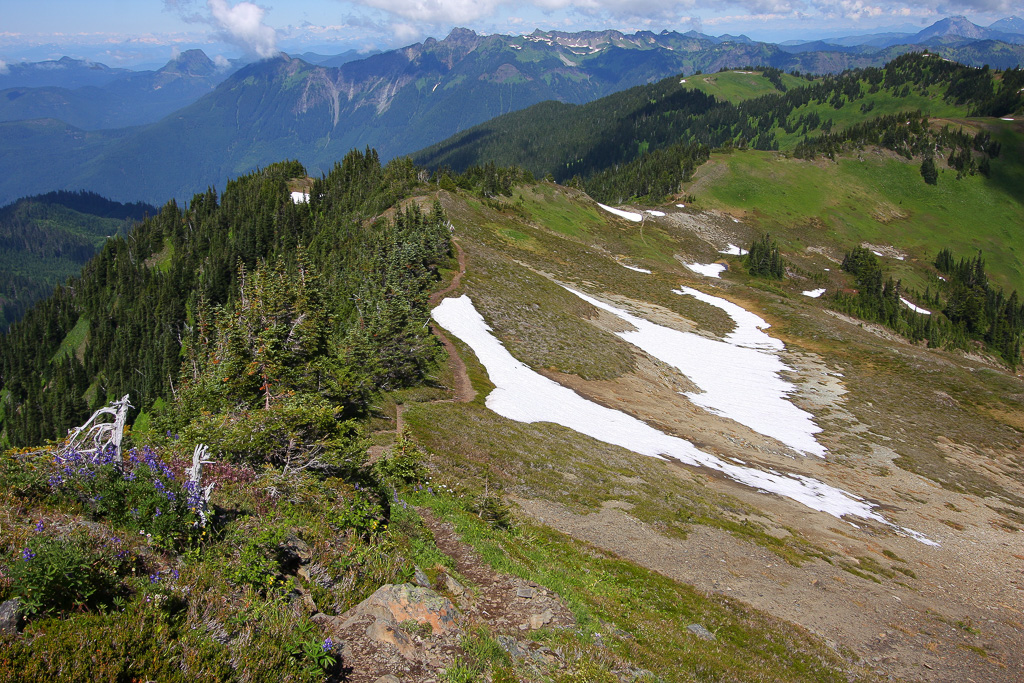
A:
(420, 578)
(511, 646)
(299, 549)
(524, 592)
(454, 587)
(10, 615)
(404, 602)
(383, 632)
(538, 620)
(700, 632)
(388, 678)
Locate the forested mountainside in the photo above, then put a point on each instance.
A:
(642, 142)
(47, 238)
(168, 284)
(395, 102)
(647, 144)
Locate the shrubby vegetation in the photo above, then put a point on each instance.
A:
(264, 329)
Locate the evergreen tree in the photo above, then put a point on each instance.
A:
(929, 171)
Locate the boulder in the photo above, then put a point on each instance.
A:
(10, 615)
(404, 602)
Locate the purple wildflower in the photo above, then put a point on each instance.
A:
(27, 554)
(39, 526)
(328, 644)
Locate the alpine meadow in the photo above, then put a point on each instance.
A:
(569, 357)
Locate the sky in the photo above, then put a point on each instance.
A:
(131, 32)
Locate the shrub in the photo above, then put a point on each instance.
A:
(59, 575)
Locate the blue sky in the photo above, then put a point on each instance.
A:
(122, 32)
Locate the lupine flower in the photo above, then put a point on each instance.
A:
(39, 526)
(27, 554)
(154, 578)
(328, 644)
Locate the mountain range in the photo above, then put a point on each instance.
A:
(949, 30)
(396, 102)
(91, 96)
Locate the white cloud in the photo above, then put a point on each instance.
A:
(3, 67)
(221, 62)
(241, 24)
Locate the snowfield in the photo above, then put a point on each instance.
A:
(739, 376)
(525, 396)
(636, 268)
(707, 269)
(915, 309)
(656, 213)
(813, 293)
(628, 215)
(733, 250)
(300, 197)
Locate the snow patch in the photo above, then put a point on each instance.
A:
(523, 395)
(628, 215)
(680, 206)
(733, 250)
(637, 269)
(655, 213)
(1005, 119)
(739, 377)
(707, 269)
(915, 309)
(300, 197)
(813, 293)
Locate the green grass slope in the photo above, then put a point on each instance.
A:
(878, 197)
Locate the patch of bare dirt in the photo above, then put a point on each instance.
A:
(925, 631)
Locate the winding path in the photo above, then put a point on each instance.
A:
(464, 391)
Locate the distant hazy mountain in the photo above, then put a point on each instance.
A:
(61, 73)
(334, 60)
(1008, 25)
(951, 30)
(128, 98)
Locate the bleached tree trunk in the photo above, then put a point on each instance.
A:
(94, 437)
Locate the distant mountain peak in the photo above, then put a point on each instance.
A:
(1012, 24)
(191, 62)
(460, 34)
(957, 26)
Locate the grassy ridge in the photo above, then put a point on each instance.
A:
(877, 198)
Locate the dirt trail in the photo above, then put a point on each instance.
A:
(464, 391)
(504, 602)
